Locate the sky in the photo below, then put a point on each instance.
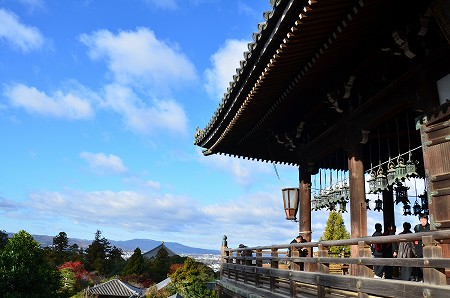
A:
(99, 103)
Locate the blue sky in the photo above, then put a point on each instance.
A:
(99, 102)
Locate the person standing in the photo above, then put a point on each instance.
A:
(377, 251)
(406, 250)
(423, 226)
(389, 251)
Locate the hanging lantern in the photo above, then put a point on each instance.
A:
(391, 174)
(380, 181)
(314, 204)
(342, 206)
(424, 202)
(332, 206)
(416, 208)
(378, 205)
(400, 170)
(401, 194)
(406, 209)
(411, 169)
(372, 182)
(345, 191)
(367, 204)
(290, 201)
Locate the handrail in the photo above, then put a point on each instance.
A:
(267, 271)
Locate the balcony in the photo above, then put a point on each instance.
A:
(270, 272)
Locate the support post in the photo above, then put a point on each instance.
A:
(324, 268)
(305, 209)
(358, 212)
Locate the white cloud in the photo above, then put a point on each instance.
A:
(103, 164)
(243, 171)
(138, 57)
(20, 36)
(71, 105)
(162, 115)
(224, 64)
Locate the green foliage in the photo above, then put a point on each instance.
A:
(25, 271)
(135, 264)
(3, 239)
(190, 280)
(60, 242)
(96, 254)
(335, 230)
(159, 266)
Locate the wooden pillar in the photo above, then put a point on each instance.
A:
(358, 212)
(388, 208)
(305, 210)
(305, 205)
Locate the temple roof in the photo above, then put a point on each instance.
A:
(322, 74)
(115, 288)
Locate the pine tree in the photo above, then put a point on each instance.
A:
(97, 253)
(135, 264)
(335, 230)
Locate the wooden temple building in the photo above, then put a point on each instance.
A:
(360, 86)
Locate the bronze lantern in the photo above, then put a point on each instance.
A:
(380, 181)
(372, 182)
(290, 201)
(401, 194)
(411, 169)
(378, 205)
(406, 209)
(391, 174)
(417, 210)
(400, 170)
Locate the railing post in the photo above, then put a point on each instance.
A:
(434, 276)
(294, 254)
(324, 268)
(258, 265)
(273, 264)
(364, 252)
(364, 270)
(225, 256)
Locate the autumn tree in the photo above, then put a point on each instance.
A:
(190, 281)
(75, 278)
(25, 270)
(335, 230)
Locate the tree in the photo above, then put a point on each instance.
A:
(335, 230)
(75, 277)
(96, 254)
(3, 239)
(190, 280)
(60, 242)
(25, 271)
(135, 264)
(159, 266)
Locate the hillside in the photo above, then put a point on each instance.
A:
(130, 245)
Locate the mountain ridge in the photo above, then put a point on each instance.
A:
(129, 245)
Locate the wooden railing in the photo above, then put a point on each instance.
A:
(270, 272)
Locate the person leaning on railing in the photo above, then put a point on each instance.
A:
(377, 251)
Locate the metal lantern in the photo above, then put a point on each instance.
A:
(411, 169)
(401, 194)
(372, 182)
(378, 205)
(345, 191)
(368, 204)
(342, 206)
(406, 209)
(400, 170)
(424, 202)
(391, 174)
(314, 204)
(380, 181)
(290, 201)
(417, 209)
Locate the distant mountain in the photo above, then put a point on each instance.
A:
(130, 245)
